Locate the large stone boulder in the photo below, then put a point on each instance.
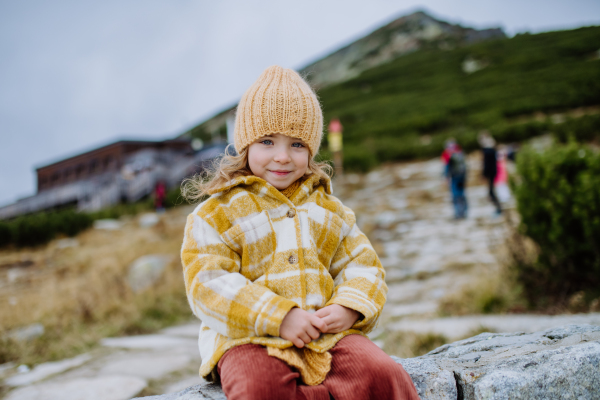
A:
(558, 363)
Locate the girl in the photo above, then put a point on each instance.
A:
(285, 283)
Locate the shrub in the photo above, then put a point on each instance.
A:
(36, 229)
(174, 198)
(32, 230)
(583, 129)
(358, 160)
(519, 132)
(5, 234)
(39, 228)
(558, 198)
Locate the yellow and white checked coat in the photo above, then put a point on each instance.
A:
(250, 255)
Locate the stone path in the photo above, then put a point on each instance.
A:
(405, 210)
(167, 361)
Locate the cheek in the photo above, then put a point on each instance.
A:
(254, 158)
(301, 161)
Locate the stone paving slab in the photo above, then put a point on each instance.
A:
(100, 388)
(146, 366)
(188, 330)
(148, 342)
(45, 370)
(458, 327)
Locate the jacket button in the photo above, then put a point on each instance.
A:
(293, 259)
(291, 212)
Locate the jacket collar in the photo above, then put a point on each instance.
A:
(258, 185)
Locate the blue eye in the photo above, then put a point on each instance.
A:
(297, 144)
(267, 142)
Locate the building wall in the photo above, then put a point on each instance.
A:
(109, 158)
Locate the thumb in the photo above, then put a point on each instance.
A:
(318, 323)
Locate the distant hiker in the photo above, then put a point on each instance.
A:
(501, 181)
(456, 174)
(449, 145)
(160, 193)
(490, 166)
(286, 285)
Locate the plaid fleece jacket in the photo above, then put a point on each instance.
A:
(250, 255)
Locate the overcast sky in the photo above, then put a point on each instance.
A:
(78, 74)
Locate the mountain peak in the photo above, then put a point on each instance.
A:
(404, 35)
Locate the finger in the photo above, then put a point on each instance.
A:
(298, 343)
(322, 312)
(329, 321)
(305, 337)
(318, 323)
(313, 333)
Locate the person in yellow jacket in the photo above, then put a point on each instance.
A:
(284, 281)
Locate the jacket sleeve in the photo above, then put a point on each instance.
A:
(218, 294)
(359, 278)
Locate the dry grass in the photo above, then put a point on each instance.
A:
(493, 291)
(409, 344)
(81, 294)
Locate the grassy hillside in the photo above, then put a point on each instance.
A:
(408, 107)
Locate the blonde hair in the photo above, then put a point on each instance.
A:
(230, 166)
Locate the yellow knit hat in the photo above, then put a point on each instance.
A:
(280, 101)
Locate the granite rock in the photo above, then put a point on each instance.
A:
(558, 363)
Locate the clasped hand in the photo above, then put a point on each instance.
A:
(301, 327)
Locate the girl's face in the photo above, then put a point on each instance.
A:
(278, 159)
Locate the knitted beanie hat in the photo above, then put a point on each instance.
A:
(280, 101)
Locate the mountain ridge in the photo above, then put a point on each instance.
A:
(402, 36)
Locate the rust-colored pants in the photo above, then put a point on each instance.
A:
(359, 370)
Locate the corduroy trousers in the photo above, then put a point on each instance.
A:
(359, 370)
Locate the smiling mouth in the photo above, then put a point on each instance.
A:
(280, 173)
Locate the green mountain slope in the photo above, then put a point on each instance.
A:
(408, 107)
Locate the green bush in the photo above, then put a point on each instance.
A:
(519, 132)
(5, 234)
(583, 129)
(558, 198)
(39, 228)
(174, 198)
(358, 160)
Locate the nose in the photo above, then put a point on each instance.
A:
(282, 156)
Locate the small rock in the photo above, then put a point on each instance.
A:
(26, 333)
(22, 369)
(108, 224)
(66, 243)
(148, 220)
(146, 270)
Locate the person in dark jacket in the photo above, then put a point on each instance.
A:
(456, 173)
(490, 166)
